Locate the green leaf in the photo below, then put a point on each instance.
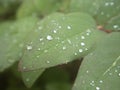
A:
(30, 77)
(106, 12)
(59, 39)
(41, 7)
(12, 37)
(100, 70)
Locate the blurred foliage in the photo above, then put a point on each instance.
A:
(59, 44)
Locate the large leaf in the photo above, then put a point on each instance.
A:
(106, 12)
(59, 39)
(100, 70)
(12, 35)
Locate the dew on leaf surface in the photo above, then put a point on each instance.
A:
(75, 53)
(54, 31)
(41, 39)
(92, 83)
(29, 47)
(69, 41)
(39, 49)
(82, 37)
(47, 62)
(45, 51)
(115, 26)
(101, 81)
(82, 44)
(97, 88)
(119, 74)
(64, 48)
(49, 37)
(69, 27)
(80, 50)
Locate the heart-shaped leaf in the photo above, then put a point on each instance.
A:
(59, 39)
(12, 37)
(106, 12)
(100, 70)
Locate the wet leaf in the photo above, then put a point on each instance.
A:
(30, 77)
(12, 35)
(100, 70)
(59, 39)
(106, 12)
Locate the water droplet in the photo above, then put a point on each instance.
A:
(75, 53)
(106, 4)
(41, 39)
(45, 51)
(112, 3)
(49, 37)
(87, 71)
(101, 81)
(39, 49)
(64, 48)
(119, 74)
(29, 47)
(39, 27)
(54, 31)
(69, 27)
(82, 44)
(59, 27)
(86, 49)
(92, 83)
(115, 26)
(97, 88)
(48, 62)
(69, 41)
(87, 34)
(80, 50)
(82, 37)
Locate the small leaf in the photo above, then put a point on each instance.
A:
(59, 39)
(30, 77)
(106, 12)
(100, 70)
(12, 35)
